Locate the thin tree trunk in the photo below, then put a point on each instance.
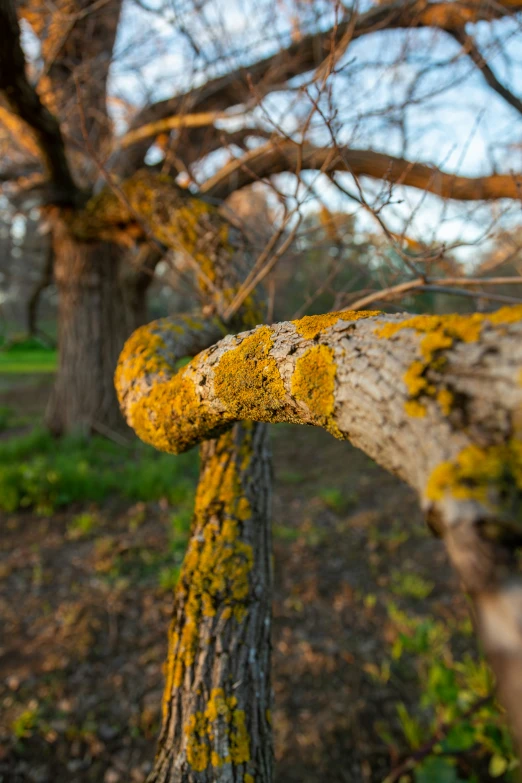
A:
(216, 710)
(91, 331)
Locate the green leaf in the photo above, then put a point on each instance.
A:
(497, 766)
(411, 727)
(461, 737)
(437, 770)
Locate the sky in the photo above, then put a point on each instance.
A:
(453, 121)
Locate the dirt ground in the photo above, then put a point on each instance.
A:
(83, 624)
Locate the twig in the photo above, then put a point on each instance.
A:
(442, 285)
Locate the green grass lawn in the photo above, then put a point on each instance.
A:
(22, 362)
(26, 356)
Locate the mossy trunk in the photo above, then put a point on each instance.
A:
(216, 711)
(92, 327)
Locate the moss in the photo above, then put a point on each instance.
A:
(313, 382)
(222, 718)
(481, 474)
(247, 379)
(247, 778)
(312, 325)
(440, 332)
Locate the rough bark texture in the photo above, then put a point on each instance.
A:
(216, 720)
(436, 400)
(91, 332)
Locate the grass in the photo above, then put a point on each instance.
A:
(38, 472)
(27, 362)
(27, 356)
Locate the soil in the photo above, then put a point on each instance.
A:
(83, 624)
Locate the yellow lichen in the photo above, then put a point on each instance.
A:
(445, 399)
(247, 379)
(247, 778)
(477, 473)
(216, 570)
(143, 354)
(239, 738)
(220, 719)
(414, 380)
(440, 332)
(415, 409)
(313, 382)
(198, 749)
(506, 315)
(312, 325)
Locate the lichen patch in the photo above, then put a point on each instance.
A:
(313, 382)
(247, 379)
(312, 325)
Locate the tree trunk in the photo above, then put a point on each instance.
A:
(216, 710)
(92, 327)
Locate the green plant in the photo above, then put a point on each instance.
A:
(410, 585)
(6, 415)
(24, 725)
(457, 716)
(82, 525)
(36, 471)
(337, 500)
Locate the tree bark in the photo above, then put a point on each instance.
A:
(216, 710)
(92, 327)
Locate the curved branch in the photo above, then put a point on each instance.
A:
(420, 284)
(177, 122)
(434, 399)
(282, 155)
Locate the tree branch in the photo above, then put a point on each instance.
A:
(283, 155)
(304, 55)
(198, 120)
(422, 284)
(25, 103)
(433, 399)
(471, 49)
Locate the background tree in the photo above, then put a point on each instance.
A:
(65, 115)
